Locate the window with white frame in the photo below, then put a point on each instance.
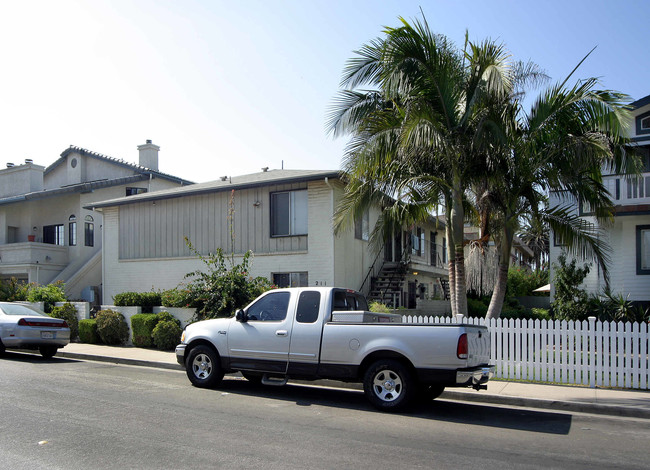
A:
(72, 230)
(53, 234)
(289, 213)
(643, 249)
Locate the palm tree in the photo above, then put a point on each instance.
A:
(563, 144)
(419, 132)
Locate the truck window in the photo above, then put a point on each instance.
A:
(308, 307)
(271, 307)
(344, 300)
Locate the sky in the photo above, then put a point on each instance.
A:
(226, 88)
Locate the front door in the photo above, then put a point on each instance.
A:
(262, 343)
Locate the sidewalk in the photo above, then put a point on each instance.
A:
(615, 402)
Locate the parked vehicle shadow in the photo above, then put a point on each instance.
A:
(438, 410)
(19, 355)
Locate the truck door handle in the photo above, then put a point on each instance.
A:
(281, 333)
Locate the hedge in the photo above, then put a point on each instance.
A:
(88, 332)
(142, 326)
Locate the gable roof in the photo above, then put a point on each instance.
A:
(85, 187)
(115, 161)
(253, 180)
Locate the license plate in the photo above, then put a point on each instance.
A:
(47, 334)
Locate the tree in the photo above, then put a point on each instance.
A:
(563, 144)
(420, 133)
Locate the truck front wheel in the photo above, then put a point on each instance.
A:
(203, 368)
(388, 385)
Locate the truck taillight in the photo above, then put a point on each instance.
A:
(462, 349)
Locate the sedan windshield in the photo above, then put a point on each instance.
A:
(17, 309)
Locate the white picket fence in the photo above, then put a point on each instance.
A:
(593, 353)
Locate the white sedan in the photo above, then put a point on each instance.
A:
(25, 327)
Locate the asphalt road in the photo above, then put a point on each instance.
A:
(67, 414)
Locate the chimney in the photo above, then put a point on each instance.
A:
(149, 155)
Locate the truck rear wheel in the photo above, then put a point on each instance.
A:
(388, 385)
(203, 368)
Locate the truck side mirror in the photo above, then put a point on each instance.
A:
(241, 316)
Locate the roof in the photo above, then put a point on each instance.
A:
(639, 103)
(132, 166)
(74, 188)
(264, 178)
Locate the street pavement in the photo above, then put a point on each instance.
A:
(607, 401)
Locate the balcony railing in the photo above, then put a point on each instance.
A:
(626, 191)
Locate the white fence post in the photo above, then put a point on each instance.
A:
(592, 352)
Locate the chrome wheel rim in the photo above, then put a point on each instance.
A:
(387, 385)
(202, 366)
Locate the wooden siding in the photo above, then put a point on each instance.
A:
(158, 229)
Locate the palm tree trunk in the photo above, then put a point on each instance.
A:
(499, 292)
(457, 219)
(451, 272)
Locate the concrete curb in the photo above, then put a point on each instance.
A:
(119, 360)
(481, 397)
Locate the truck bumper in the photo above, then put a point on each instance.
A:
(180, 354)
(475, 377)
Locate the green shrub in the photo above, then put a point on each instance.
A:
(167, 334)
(178, 297)
(571, 302)
(378, 307)
(146, 300)
(127, 299)
(522, 282)
(68, 313)
(166, 316)
(49, 295)
(13, 290)
(476, 308)
(142, 326)
(88, 332)
(112, 327)
(541, 313)
(225, 287)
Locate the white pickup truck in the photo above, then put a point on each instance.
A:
(312, 333)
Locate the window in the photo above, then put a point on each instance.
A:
(53, 234)
(433, 249)
(643, 249)
(289, 213)
(271, 307)
(645, 123)
(89, 231)
(348, 300)
(133, 191)
(299, 279)
(308, 307)
(417, 242)
(557, 240)
(72, 230)
(362, 227)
